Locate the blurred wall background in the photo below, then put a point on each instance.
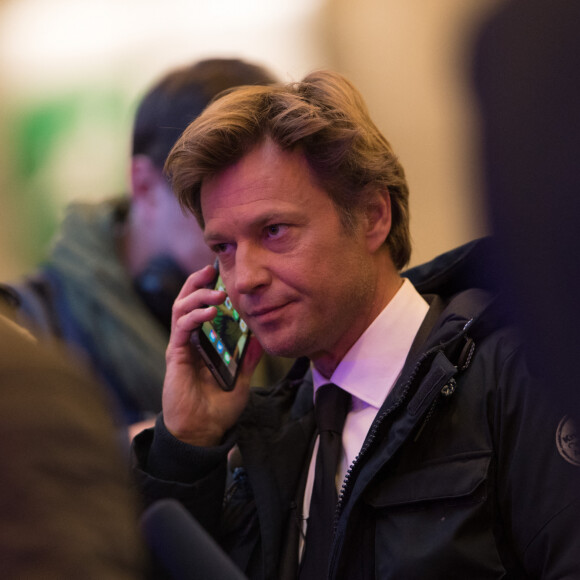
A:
(71, 73)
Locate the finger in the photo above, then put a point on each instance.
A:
(184, 325)
(199, 279)
(193, 305)
(199, 299)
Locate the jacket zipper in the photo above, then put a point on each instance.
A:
(447, 390)
(354, 466)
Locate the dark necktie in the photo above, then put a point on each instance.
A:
(331, 408)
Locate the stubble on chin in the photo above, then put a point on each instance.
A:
(288, 343)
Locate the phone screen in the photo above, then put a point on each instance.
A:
(222, 341)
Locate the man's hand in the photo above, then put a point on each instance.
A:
(195, 409)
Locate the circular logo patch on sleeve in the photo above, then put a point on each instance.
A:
(568, 440)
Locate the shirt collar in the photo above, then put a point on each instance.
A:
(371, 367)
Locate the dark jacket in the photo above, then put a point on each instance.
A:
(84, 296)
(468, 470)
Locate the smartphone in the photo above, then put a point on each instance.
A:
(222, 342)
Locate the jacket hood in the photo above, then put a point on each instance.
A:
(468, 266)
(465, 283)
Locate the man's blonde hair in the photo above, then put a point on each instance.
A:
(325, 118)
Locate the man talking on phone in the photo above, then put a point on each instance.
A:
(409, 439)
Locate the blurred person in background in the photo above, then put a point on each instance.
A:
(112, 274)
(527, 78)
(66, 509)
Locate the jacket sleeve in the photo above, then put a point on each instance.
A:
(538, 473)
(165, 467)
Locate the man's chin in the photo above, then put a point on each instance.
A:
(280, 346)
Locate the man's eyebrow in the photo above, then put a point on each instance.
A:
(211, 237)
(259, 221)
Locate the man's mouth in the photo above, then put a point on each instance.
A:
(266, 313)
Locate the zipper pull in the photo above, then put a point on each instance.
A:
(449, 388)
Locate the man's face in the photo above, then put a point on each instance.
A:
(302, 283)
(177, 234)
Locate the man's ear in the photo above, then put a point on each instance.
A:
(378, 219)
(144, 179)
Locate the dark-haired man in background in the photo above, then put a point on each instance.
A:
(115, 268)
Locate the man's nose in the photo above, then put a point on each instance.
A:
(251, 269)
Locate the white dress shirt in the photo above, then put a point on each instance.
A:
(369, 371)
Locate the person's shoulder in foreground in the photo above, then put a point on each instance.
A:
(66, 509)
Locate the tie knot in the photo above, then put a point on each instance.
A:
(331, 408)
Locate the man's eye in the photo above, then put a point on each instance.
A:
(275, 230)
(219, 248)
